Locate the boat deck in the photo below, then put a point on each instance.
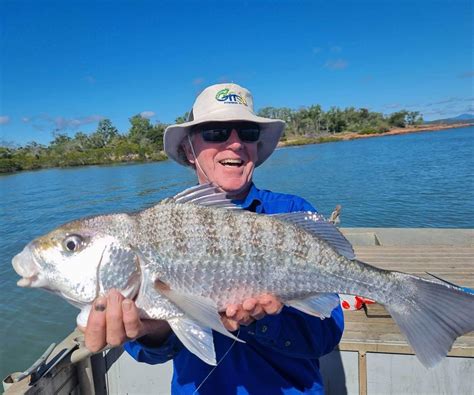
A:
(373, 330)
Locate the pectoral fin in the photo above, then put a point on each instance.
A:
(202, 310)
(320, 305)
(195, 338)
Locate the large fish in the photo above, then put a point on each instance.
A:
(188, 257)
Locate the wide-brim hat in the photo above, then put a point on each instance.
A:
(222, 103)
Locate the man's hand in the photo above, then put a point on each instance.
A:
(114, 320)
(250, 310)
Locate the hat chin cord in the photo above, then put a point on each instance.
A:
(199, 166)
(197, 162)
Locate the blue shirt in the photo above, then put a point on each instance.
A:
(281, 352)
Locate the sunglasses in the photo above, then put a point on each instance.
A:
(248, 132)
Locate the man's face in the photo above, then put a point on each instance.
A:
(229, 164)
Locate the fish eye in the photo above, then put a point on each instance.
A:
(72, 243)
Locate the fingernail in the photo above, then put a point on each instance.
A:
(231, 312)
(100, 304)
(127, 305)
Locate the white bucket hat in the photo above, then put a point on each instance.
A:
(224, 102)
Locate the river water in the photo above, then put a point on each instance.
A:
(413, 180)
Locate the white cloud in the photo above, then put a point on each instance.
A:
(44, 122)
(448, 107)
(392, 106)
(4, 119)
(449, 101)
(147, 114)
(336, 64)
(64, 123)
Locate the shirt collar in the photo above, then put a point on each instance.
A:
(252, 201)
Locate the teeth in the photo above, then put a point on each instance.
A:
(231, 162)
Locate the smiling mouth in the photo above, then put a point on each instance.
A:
(232, 162)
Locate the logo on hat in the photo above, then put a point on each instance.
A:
(227, 96)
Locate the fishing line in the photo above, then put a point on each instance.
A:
(215, 367)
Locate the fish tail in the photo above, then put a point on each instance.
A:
(431, 315)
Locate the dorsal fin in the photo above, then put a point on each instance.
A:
(208, 195)
(317, 225)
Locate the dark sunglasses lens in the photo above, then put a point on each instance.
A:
(215, 135)
(249, 135)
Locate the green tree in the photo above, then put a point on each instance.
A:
(140, 130)
(182, 118)
(104, 135)
(335, 120)
(155, 135)
(398, 119)
(82, 142)
(60, 139)
(414, 118)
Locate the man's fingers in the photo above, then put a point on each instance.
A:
(115, 327)
(131, 320)
(270, 304)
(257, 312)
(95, 333)
(229, 323)
(253, 308)
(231, 310)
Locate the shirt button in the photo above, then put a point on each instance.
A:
(287, 343)
(264, 328)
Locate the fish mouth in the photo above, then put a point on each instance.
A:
(26, 265)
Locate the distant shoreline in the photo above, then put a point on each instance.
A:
(345, 136)
(294, 141)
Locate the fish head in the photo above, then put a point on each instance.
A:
(79, 261)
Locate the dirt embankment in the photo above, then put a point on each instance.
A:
(391, 132)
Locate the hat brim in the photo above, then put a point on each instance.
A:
(270, 133)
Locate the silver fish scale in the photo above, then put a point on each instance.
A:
(231, 255)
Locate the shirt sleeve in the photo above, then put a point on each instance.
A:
(153, 355)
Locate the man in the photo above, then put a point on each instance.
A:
(224, 141)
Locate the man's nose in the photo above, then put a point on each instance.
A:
(234, 138)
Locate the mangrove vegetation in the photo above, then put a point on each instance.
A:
(144, 140)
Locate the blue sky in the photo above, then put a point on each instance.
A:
(67, 64)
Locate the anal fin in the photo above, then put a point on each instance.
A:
(201, 309)
(320, 305)
(195, 338)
